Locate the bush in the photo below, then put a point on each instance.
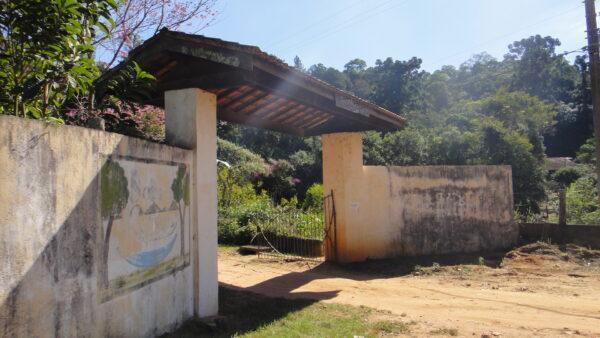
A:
(566, 176)
(582, 202)
(244, 163)
(313, 201)
(243, 211)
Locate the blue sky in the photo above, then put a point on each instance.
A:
(440, 32)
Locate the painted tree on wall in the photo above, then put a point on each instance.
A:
(114, 196)
(181, 193)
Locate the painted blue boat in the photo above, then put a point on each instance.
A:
(149, 258)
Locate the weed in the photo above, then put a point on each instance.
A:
(444, 332)
(391, 327)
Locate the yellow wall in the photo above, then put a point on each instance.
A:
(390, 211)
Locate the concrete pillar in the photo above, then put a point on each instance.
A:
(191, 122)
(342, 174)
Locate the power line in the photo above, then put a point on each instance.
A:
(508, 34)
(510, 70)
(308, 27)
(356, 19)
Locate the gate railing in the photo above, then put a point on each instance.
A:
(329, 216)
(293, 236)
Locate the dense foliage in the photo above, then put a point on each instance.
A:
(513, 111)
(530, 104)
(47, 56)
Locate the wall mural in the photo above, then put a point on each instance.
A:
(145, 210)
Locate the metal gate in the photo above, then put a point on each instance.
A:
(298, 242)
(330, 233)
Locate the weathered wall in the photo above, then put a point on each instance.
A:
(94, 233)
(407, 211)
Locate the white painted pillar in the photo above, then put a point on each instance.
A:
(191, 122)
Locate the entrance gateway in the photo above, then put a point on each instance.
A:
(200, 80)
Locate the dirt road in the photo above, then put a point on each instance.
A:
(539, 292)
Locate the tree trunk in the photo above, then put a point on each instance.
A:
(182, 228)
(105, 251)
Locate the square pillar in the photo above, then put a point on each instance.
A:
(343, 174)
(191, 122)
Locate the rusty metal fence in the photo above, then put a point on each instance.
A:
(296, 236)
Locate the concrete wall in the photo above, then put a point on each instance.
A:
(62, 271)
(407, 211)
(584, 235)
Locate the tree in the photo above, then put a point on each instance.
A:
(356, 71)
(504, 146)
(329, 75)
(181, 194)
(479, 76)
(298, 65)
(113, 199)
(583, 202)
(47, 56)
(539, 70)
(355, 67)
(135, 20)
(516, 110)
(407, 147)
(574, 123)
(397, 85)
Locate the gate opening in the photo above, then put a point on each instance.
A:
(287, 237)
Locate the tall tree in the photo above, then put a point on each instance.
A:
(298, 65)
(539, 70)
(398, 85)
(46, 53)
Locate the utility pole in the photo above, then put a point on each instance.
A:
(592, 37)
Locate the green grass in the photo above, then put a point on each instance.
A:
(228, 247)
(250, 315)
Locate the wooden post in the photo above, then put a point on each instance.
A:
(593, 50)
(562, 209)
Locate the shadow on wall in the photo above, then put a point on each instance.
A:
(58, 290)
(51, 237)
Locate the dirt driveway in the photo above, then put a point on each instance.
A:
(539, 290)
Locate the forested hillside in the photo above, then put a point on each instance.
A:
(531, 104)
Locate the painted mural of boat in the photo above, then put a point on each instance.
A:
(151, 237)
(150, 258)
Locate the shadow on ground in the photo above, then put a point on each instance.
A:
(286, 284)
(402, 266)
(241, 312)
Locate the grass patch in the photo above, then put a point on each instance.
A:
(391, 327)
(251, 315)
(228, 247)
(444, 332)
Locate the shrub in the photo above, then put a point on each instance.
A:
(244, 163)
(567, 175)
(242, 212)
(582, 202)
(313, 201)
